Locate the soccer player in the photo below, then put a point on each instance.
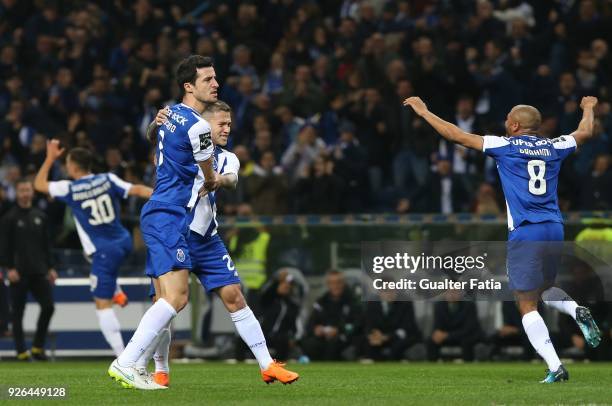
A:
(184, 164)
(212, 263)
(94, 201)
(528, 167)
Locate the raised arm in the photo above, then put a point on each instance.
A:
(142, 191)
(41, 181)
(447, 130)
(585, 127)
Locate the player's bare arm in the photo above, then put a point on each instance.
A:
(585, 127)
(447, 130)
(142, 191)
(160, 119)
(211, 182)
(41, 181)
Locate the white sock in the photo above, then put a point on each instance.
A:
(146, 356)
(109, 325)
(540, 339)
(250, 331)
(153, 321)
(118, 289)
(558, 299)
(162, 351)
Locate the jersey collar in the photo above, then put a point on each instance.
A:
(191, 108)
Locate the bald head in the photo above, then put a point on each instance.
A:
(523, 119)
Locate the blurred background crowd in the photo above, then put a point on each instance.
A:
(316, 90)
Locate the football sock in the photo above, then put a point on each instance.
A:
(109, 324)
(558, 299)
(162, 351)
(540, 339)
(146, 356)
(250, 331)
(152, 322)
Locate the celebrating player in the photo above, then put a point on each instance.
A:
(528, 167)
(94, 200)
(184, 164)
(212, 263)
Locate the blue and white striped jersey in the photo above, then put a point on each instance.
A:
(183, 141)
(205, 213)
(94, 200)
(529, 168)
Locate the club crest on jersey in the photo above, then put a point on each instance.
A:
(180, 255)
(205, 141)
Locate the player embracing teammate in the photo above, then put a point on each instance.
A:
(190, 168)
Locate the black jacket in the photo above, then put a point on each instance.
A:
(343, 314)
(25, 242)
(398, 320)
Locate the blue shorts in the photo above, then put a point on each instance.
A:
(534, 253)
(212, 263)
(164, 230)
(105, 267)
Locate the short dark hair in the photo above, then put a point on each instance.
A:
(82, 157)
(187, 71)
(24, 180)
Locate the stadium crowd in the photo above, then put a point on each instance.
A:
(316, 90)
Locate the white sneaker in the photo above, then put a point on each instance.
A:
(129, 377)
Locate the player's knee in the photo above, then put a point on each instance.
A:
(233, 298)
(177, 300)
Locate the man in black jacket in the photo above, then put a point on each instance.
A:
(455, 323)
(25, 249)
(333, 325)
(279, 314)
(390, 328)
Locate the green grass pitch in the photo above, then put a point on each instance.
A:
(323, 384)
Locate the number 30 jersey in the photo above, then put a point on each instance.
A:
(529, 168)
(94, 200)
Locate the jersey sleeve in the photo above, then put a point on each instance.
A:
(201, 141)
(119, 186)
(59, 190)
(494, 146)
(232, 165)
(565, 145)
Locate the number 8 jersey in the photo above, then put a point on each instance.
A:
(94, 200)
(529, 168)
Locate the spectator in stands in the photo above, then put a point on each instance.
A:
(334, 321)
(596, 188)
(317, 181)
(444, 192)
(455, 324)
(301, 154)
(267, 188)
(350, 164)
(389, 328)
(279, 315)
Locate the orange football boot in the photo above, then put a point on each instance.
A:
(161, 378)
(120, 298)
(276, 372)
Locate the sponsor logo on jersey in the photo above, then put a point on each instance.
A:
(205, 140)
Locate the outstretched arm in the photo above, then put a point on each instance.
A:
(142, 191)
(41, 181)
(585, 127)
(447, 130)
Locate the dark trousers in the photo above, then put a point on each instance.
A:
(41, 289)
(4, 308)
(322, 349)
